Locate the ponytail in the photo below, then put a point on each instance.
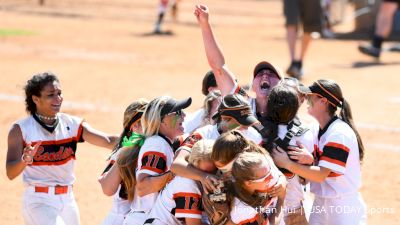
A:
(332, 88)
(127, 162)
(347, 117)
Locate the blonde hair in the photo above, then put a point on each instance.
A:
(232, 143)
(127, 163)
(151, 119)
(201, 150)
(243, 170)
(210, 98)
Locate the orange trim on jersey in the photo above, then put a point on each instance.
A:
(159, 154)
(188, 211)
(316, 149)
(152, 169)
(288, 174)
(333, 174)
(334, 161)
(186, 194)
(57, 163)
(63, 141)
(80, 131)
(181, 140)
(337, 145)
(248, 220)
(236, 91)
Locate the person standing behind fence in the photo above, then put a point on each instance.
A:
(42, 147)
(383, 27)
(335, 177)
(309, 14)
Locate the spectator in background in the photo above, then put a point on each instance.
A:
(309, 13)
(383, 27)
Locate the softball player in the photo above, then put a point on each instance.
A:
(203, 116)
(338, 152)
(111, 179)
(180, 200)
(161, 123)
(254, 176)
(42, 147)
(233, 113)
(283, 106)
(265, 75)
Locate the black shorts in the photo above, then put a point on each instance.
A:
(306, 12)
(395, 1)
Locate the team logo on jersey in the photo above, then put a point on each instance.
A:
(54, 154)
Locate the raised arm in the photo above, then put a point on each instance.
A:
(98, 138)
(226, 80)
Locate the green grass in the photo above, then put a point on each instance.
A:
(5, 32)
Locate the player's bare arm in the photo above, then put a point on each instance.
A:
(312, 173)
(18, 157)
(192, 221)
(147, 184)
(98, 138)
(226, 80)
(110, 180)
(181, 167)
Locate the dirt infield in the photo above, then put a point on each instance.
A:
(105, 58)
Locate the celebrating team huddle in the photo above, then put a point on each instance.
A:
(238, 160)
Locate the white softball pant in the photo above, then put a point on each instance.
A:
(135, 218)
(40, 208)
(345, 210)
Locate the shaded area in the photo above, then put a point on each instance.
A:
(358, 35)
(154, 33)
(364, 64)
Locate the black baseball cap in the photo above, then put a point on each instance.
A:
(173, 105)
(317, 88)
(237, 108)
(264, 65)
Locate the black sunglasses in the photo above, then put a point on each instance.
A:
(178, 113)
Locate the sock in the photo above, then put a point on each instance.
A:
(159, 21)
(298, 63)
(377, 41)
